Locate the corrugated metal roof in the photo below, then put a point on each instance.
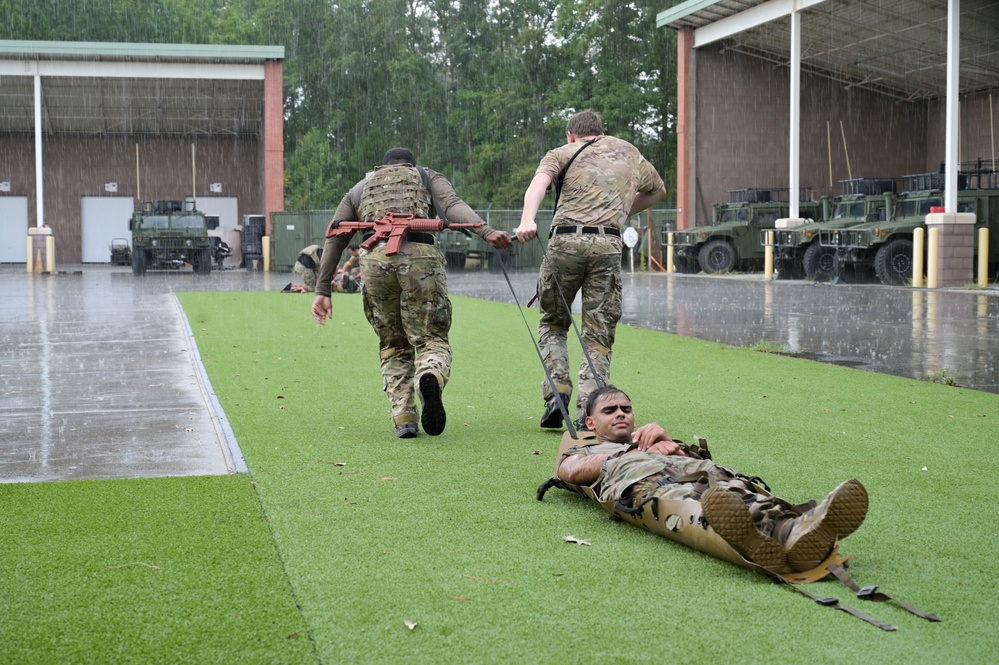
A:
(894, 47)
(138, 89)
(135, 51)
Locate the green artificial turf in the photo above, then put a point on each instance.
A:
(445, 532)
(341, 534)
(166, 570)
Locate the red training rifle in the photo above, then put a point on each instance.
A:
(393, 227)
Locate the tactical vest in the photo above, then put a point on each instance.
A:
(394, 188)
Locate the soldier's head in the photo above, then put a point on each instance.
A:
(353, 248)
(399, 156)
(609, 414)
(585, 123)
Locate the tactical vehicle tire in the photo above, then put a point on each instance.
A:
(202, 262)
(716, 257)
(686, 267)
(788, 269)
(139, 262)
(893, 262)
(819, 263)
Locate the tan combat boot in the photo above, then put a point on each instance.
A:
(808, 539)
(729, 516)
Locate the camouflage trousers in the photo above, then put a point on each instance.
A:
(405, 301)
(308, 275)
(592, 264)
(641, 476)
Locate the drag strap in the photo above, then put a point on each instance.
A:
(871, 593)
(829, 601)
(563, 408)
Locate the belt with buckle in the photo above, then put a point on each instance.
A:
(594, 230)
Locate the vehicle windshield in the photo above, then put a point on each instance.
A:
(733, 215)
(155, 222)
(851, 210)
(188, 222)
(917, 207)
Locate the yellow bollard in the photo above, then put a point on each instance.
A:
(983, 257)
(50, 263)
(30, 264)
(918, 244)
(933, 250)
(265, 242)
(670, 267)
(768, 261)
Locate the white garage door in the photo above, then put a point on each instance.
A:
(13, 229)
(103, 219)
(226, 207)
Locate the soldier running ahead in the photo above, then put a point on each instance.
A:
(405, 295)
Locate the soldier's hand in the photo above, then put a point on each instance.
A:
(322, 309)
(298, 288)
(653, 438)
(528, 230)
(499, 239)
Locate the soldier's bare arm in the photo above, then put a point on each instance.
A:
(533, 197)
(581, 469)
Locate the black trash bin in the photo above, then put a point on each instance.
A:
(254, 227)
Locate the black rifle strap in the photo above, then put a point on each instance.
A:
(561, 174)
(548, 375)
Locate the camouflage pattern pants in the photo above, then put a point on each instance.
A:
(307, 275)
(644, 475)
(590, 263)
(405, 301)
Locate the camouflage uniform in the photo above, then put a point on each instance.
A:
(307, 273)
(405, 295)
(597, 192)
(640, 476)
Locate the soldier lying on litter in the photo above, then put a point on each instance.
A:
(629, 468)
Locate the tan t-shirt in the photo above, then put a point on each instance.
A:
(601, 182)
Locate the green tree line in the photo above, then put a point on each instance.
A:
(478, 89)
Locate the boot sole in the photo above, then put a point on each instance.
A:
(845, 512)
(729, 516)
(433, 417)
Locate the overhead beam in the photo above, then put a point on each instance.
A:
(752, 17)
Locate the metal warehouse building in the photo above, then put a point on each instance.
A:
(90, 130)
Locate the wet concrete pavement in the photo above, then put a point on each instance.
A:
(100, 377)
(894, 330)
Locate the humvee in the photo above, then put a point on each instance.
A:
(168, 234)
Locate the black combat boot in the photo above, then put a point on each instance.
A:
(433, 417)
(552, 417)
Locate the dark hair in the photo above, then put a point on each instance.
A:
(399, 156)
(586, 123)
(599, 394)
(354, 246)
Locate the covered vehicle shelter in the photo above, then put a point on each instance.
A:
(90, 130)
(847, 89)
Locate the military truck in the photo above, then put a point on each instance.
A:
(887, 246)
(168, 234)
(732, 240)
(797, 251)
